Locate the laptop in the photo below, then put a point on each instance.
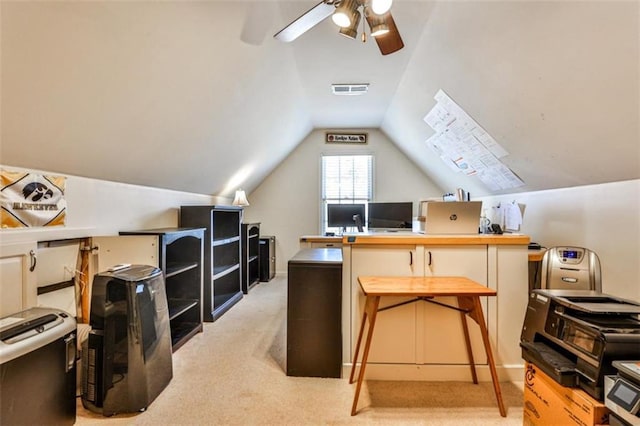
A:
(452, 217)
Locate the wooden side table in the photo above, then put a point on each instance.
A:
(467, 292)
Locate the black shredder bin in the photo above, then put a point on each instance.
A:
(267, 253)
(126, 360)
(38, 368)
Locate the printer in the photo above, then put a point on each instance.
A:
(575, 335)
(622, 393)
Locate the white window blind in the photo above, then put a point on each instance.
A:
(347, 177)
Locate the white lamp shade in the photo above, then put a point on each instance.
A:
(380, 7)
(240, 198)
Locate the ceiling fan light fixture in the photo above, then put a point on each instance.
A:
(349, 33)
(379, 30)
(380, 7)
(341, 19)
(345, 14)
(352, 30)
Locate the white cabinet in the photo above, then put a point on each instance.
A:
(394, 339)
(424, 341)
(420, 332)
(440, 337)
(17, 277)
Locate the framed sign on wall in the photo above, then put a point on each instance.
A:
(349, 138)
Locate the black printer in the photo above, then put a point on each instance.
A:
(575, 335)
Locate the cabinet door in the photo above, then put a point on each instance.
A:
(440, 335)
(57, 264)
(17, 282)
(395, 330)
(136, 250)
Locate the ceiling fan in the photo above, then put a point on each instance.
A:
(346, 14)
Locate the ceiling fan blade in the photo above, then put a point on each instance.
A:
(391, 41)
(308, 20)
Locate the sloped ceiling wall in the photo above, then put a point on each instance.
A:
(198, 97)
(555, 83)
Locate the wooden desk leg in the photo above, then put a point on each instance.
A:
(472, 304)
(355, 355)
(370, 311)
(467, 341)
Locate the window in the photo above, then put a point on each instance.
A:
(346, 179)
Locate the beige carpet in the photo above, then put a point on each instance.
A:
(234, 374)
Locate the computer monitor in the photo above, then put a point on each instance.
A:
(345, 215)
(385, 216)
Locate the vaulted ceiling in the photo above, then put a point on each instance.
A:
(199, 97)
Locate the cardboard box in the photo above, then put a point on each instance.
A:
(546, 402)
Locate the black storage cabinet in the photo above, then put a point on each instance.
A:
(314, 313)
(250, 255)
(267, 257)
(222, 277)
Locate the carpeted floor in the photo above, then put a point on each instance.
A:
(234, 374)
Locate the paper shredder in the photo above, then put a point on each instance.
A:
(126, 360)
(571, 268)
(38, 368)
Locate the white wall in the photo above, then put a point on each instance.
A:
(604, 218)
(98, 207)
(287, 203)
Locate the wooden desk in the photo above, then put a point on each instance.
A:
(466, 291)
(536, 255)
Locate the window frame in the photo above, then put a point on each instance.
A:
(325, 201)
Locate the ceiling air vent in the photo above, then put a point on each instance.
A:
(350, 89)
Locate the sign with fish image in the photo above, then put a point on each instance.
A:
(31, 200)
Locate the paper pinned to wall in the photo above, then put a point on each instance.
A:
(512, 216)
(466, 147)
(508, 215)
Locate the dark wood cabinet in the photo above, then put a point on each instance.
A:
(180, 256)
(250, 256)
(222, 273)
(314, 313)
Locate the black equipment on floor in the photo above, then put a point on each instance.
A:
(127, 357)
(38, 368)
(575, 335)
(267, 255)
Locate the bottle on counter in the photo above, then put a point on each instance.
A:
(485, 223)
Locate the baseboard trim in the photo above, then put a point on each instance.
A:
(437, 373)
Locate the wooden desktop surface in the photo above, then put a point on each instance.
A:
(533, 255)
(423, 286)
